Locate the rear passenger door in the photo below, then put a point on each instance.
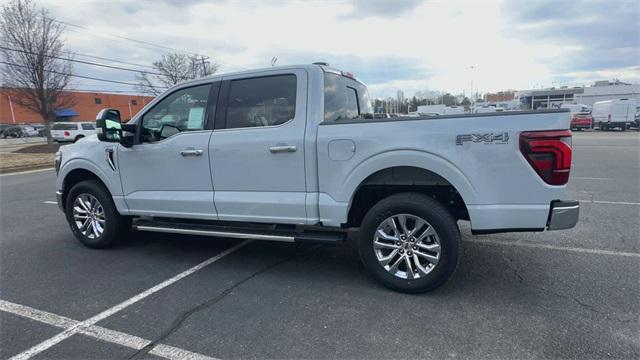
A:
(257, 148)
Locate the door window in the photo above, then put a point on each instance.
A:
(183, 110)
(88, 127)
(257, 102)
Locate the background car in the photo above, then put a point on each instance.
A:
(3, 127)
(581, 121)
(12, 132)
(29, 131)
(71, 131)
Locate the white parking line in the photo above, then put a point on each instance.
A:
(98, 332)
(123, 305)
(589, 178)
(608, 202)
(552, 247)
(50, 202)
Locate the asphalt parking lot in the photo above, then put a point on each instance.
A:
(567, 294)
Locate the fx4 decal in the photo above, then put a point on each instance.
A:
(488, 138)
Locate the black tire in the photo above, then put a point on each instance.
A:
(115, 226)
(431, 211)
(77, 138)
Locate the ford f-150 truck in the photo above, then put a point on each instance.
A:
(295, 154)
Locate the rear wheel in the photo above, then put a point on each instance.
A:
(93, 217)
(409, 242)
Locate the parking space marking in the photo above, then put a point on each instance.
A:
(589, 178)
(50, 202)
(98, 332)
(608, 202)
(123, 305)
(552, 247)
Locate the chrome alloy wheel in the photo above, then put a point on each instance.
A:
(407, 246)
(88, 214)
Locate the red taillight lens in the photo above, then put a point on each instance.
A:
(549, 153)
(66, 133)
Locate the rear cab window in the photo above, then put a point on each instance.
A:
(345, 99)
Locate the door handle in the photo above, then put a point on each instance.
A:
(191, 152)
(283, 149)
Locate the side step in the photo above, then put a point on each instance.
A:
(238, 232)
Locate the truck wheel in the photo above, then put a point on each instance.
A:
(93, 217)
(409, 242)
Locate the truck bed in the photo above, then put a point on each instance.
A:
(476, 153)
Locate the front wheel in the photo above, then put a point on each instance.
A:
(93, 217)
(409, 242)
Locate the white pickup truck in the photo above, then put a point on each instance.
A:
(294, 154)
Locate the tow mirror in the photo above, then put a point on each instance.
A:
(110, 128)
(108, 125)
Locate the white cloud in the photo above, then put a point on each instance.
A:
(422, 45)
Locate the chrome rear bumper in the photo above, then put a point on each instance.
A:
(563, 215)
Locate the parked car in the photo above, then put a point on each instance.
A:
(293, 154)
(14, 131)
(3, 127)
(41, 130)
(71, 131)
(610, 114)
(581, 121)
(29, 131)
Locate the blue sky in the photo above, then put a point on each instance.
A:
(410, 45)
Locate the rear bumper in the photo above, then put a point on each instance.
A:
(563, 215)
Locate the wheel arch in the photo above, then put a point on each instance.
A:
(405, 170)
(77, 171)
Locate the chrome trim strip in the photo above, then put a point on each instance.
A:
(236, 235)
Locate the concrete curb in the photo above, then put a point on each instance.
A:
(19, 169)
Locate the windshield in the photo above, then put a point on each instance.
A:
(345, 99)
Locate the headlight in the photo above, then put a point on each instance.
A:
(57, 161)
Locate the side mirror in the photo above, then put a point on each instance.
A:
(108, 125)
(168, 130)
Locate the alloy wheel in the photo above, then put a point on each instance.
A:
(88, 215)
(407, 246)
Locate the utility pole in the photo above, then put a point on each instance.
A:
(473, 97)
(13, 116)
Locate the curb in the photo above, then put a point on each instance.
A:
(17, 170)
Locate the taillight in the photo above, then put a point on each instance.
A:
(66, 133)
(549, 153)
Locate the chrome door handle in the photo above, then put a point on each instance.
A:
(283, 148)
(191, 152)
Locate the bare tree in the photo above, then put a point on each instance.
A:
(31, 69)
(172, 69)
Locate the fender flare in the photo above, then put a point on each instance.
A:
(413, 158)
(87, 165)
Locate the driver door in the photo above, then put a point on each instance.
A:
(166, 173)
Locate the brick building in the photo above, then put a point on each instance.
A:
(87, 107)
(500, 96)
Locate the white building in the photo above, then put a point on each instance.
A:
(605, 90)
